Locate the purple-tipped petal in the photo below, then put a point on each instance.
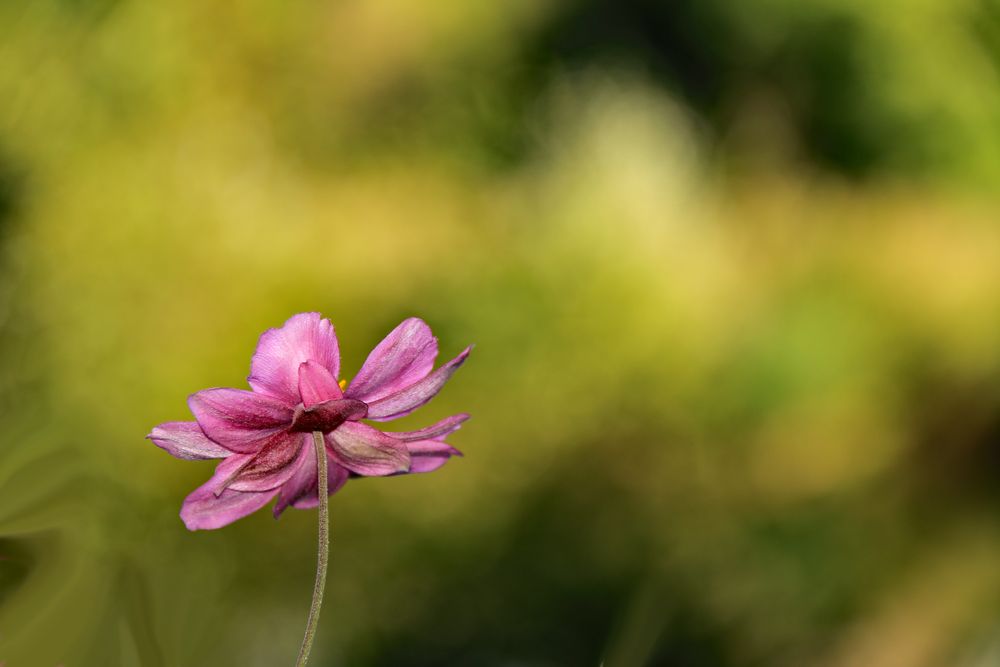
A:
(239, 420)
(316, 385)
(274, 369)
(428, 455)
(403, 357)
(438, 430)
(203, 510)
(367, 451)
(186, 440)
(406, 401)
(300, 491)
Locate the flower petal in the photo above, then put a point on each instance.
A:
(274, 369)
(316, 384)
(367, 451)
(186, 440)
(327, 415)
(237, 419)
(272, 466)
(438, 430)
(203, 510)
(300, 489)
(406, 401)
(428, 455)
(403, 357)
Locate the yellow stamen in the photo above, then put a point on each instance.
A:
(343, 384)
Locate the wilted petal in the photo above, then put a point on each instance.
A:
(438, 430)
(428, 455)
(203, 510)
(272, 466)
(239, 420)
(367, 451)
(403, 357)
(316, 384)
(304, 337)
(300, 491)
(186, 440)
(406, 401)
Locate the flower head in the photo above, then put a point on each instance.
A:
(263, 435)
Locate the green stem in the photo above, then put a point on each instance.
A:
(323, 553)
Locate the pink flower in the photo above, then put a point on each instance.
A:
(264, 437)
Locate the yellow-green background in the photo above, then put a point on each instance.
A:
(733, 273)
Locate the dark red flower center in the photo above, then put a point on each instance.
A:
(327, 416)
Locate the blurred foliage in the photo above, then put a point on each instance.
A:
(733, 272)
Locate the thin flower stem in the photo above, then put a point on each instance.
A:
(324, 550)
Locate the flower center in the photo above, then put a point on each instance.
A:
(328, 415)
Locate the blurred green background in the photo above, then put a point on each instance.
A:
(733, 273)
